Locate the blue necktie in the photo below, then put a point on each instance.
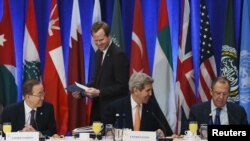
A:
(217, 116)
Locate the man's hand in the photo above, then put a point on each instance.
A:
(57, 136)
(28, 128)
(92, 92)
(160, 133)
(76, 94)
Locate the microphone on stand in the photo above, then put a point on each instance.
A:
(158, 121)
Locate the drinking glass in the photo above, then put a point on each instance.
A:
(97, 127)
(193, 126)
(1, 133)
(6, 127)
(108, 131)
(203, 131)
(118, 133)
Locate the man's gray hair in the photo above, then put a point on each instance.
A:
(139, 80)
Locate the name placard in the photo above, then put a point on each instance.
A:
(22, 136)
(84, 136)
(139, 136)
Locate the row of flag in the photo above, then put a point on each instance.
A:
(174, 98)
(54, 77)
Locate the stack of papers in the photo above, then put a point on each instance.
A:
(86, 129)
(76, 87)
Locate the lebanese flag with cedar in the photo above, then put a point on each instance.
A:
(31, 59)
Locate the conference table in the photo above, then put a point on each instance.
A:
(104, 139)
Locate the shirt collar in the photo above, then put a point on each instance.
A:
(27, 108)
(106, 49)
(133, 103)
(213, 107)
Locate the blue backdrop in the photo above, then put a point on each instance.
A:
(216, 10)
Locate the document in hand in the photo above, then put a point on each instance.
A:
(76, 87)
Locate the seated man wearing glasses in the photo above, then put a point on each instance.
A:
(218, 111)
(31, 114)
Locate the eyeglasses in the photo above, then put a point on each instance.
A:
(39, 95)
(221, 93)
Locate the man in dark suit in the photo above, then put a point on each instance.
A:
(111, 75)
(1, 110)
(140, 86)
(230, 113)
(20, 114)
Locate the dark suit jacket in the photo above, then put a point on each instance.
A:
(200, 112)
(45, 119)
(150, 117)
(113, 80)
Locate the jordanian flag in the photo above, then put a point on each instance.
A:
(8, 88)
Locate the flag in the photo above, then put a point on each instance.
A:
(229, 55)
(139, 57)
(185, 83)
(117, 28)
(207, 61)
(54, 72)
(78, 115)
(31, 59)
(96, 17)
(8, 87)
(163, 69)
(244, 75)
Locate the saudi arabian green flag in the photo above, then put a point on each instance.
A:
(117, 28)
(229, 56)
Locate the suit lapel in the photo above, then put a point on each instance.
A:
(22, 114)
(144, 117)
(230, 118)
(107, 57)
(129, 118)
(39, 117)
(207, 111)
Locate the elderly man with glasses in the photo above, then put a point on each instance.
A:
(33, 113)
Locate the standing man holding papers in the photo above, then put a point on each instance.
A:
(111, 74)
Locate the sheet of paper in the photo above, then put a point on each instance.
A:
(81, 86)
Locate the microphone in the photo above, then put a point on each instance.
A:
(158, 121)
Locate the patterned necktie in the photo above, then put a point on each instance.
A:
(32, 119)
(217, 116)
(137, 118)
